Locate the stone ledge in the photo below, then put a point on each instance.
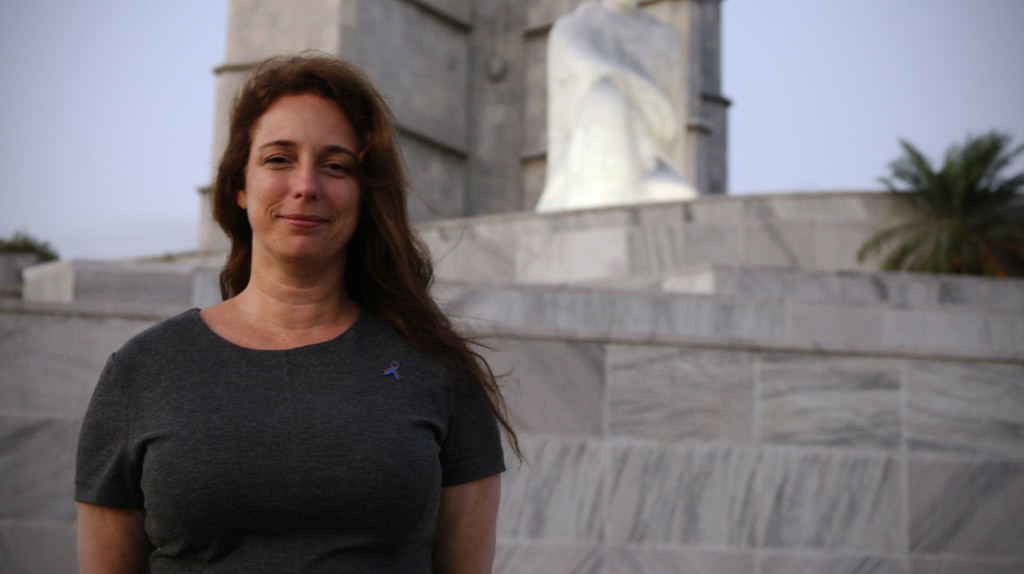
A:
(100, 310)
(902, 290)
(117, 282)
(799, 231)
(581, 313)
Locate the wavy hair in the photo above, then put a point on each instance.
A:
(388, 271)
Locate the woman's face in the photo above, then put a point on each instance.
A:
(301, 193)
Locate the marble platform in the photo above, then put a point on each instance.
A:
(137, 283)
(641, 245)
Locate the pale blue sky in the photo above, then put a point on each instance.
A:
(106, 107)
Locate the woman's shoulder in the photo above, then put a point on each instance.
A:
(167, 334)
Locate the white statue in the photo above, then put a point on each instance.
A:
(616, 80)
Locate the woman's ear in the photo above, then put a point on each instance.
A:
(241, 199)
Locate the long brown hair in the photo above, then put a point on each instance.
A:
(388, 271)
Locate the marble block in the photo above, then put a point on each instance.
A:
(832, 501)
(37, 467)
(967, 507)
(421, 65)
(966, 407)
(49, 363)
(461, 10)
(897, 290)
(480, 254)
(552, 387)
(668, 393)
(38, 547)
(961, 330)
(803, 564)
(556, 495)
(636, 560)
(830, 401)
(706, 243)
(922, 565)
(770, 243)
(258, 29)
(438, 180)
(104, 281)
(838, 327)
(675, 495)
(573, 256)
(525, 558)
(656, 244)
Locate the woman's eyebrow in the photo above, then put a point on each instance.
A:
(278, 143)
(290, 144)
(340, 149)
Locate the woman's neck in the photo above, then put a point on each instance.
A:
(296, 303)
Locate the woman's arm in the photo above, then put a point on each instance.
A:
(466, 527)
(111, 540)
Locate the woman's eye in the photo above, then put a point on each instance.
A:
(276, 160)
(337, 167)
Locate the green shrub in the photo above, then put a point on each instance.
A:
(25, 243)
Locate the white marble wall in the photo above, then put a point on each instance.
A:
(731, 461)
(49, 361)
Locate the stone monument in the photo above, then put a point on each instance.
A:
(467, 80)
(616, 84)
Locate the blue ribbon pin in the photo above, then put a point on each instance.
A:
(393, 370)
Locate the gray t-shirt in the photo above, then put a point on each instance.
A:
(323, 458)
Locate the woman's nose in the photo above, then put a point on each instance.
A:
(304, 182)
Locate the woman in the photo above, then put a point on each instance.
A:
(325, 417)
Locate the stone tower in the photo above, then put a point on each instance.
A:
(466, 81)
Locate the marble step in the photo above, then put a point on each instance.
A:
(587, 313)
(901, 290)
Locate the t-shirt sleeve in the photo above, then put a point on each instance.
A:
(472, 448)
(107, 473)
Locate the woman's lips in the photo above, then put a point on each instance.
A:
(304, 221)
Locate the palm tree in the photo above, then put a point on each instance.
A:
(965, 218)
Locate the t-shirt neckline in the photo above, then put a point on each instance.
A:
(208, 333)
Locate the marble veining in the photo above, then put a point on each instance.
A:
(830, 401)
(966, 407)
(479, 254)
(553, 387)
(829, 501)
(681, 496)
(967, 507)
(668, 393)
(637, 560)
(570, 256)
(801, 564)
(965, 566)
(519, 558)
(557, 495)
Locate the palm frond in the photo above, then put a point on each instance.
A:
(967, 217)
